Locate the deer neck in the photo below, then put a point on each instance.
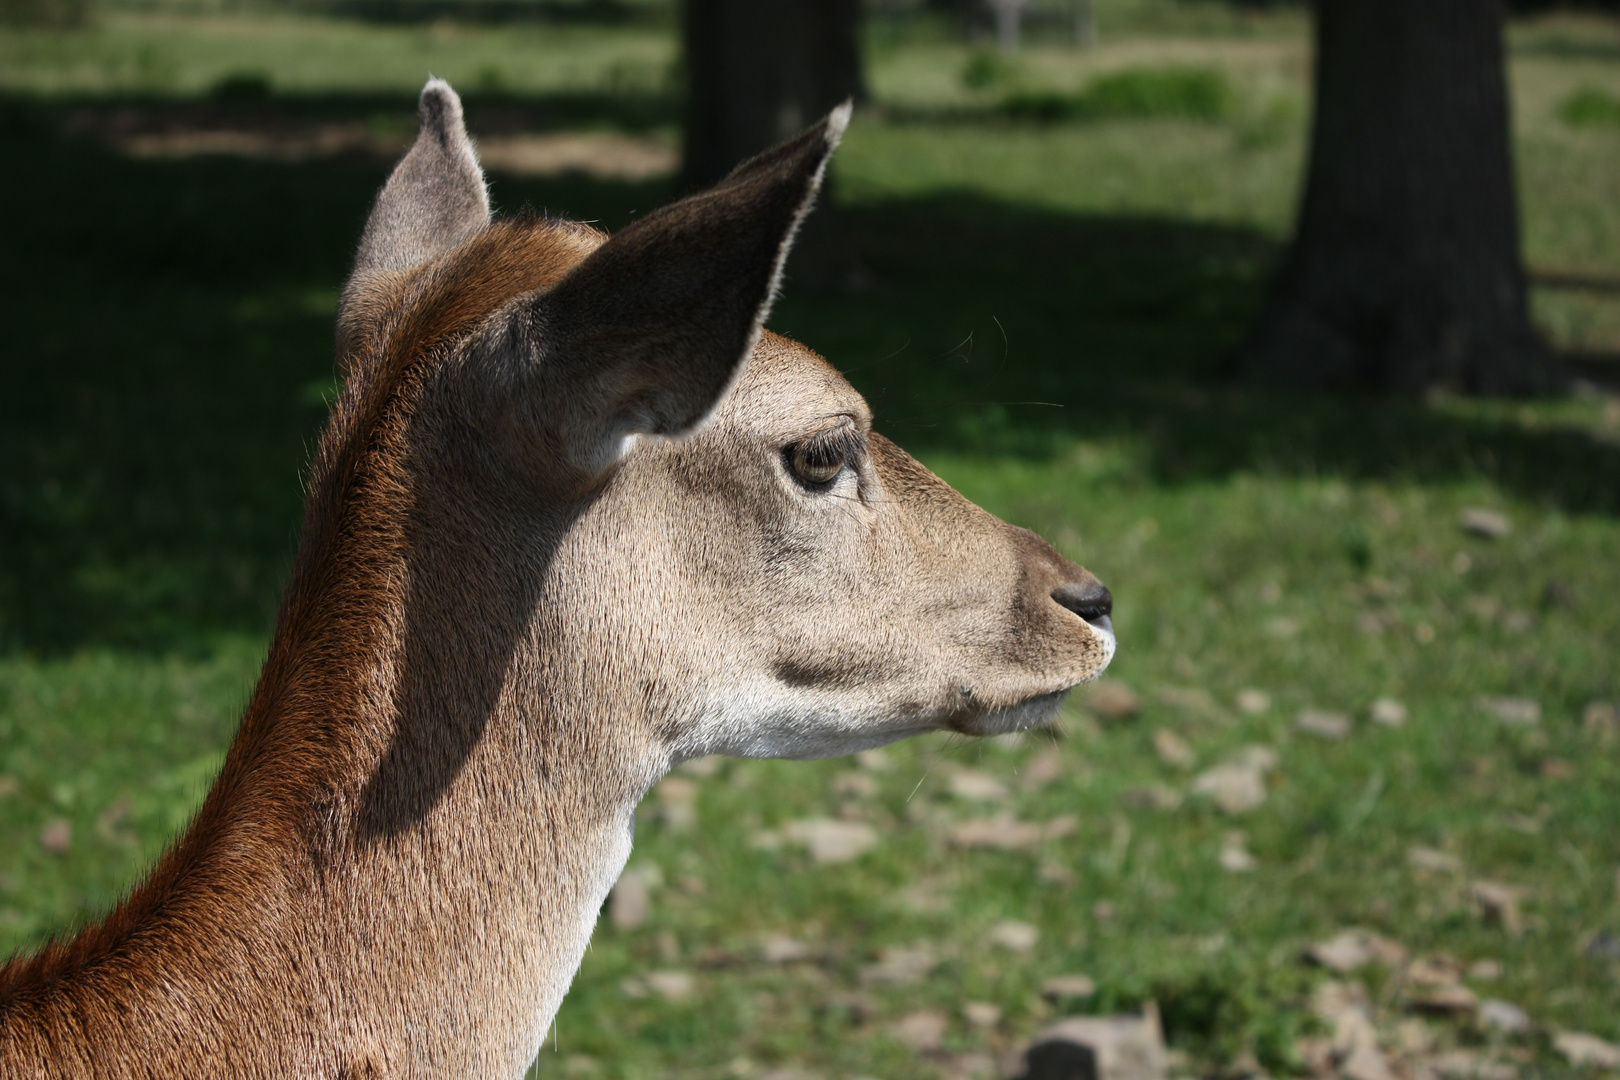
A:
(486, 806)
(398, 871)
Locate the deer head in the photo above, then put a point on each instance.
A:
(717, 514)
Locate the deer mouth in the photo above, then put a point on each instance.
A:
(1035, 712)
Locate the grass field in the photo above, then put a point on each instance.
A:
(1049, 311)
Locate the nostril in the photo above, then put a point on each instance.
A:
(1090, 600)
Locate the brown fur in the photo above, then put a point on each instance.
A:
(505, 623)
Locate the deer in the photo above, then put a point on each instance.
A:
(576, 518)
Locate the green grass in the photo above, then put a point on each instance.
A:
(1052, 309)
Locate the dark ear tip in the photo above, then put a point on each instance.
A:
(439, 109)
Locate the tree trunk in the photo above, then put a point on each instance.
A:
(759, 71)
(1405, 273)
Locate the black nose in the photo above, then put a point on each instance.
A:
(1090, 600)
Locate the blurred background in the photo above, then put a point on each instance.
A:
(1337, 419)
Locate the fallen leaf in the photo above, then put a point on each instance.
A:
(677, 803)
(1046, 767)
(1491, 524)
(1002, 832)
(981, 1013)
(1234, 856)
(831, 841)
(781, 949)
(973, 1065)
(1354, 948)
(1388, 712)
(57, 836)
(1581, 1049)
(1433, 860)
(630, 903)
(1503, 1016)
(1468, 1065)
(873, 760)
(1059, 827)
(670, 985)
(921, 1032)
(1173, 750)
(1366, 1062)
(703, 767)
(900, 966)
(1240, 783)
(1112, 700)
(1433, 971)
(1600, 720)
(1499, 904)
(1014, 936)
(1514, 712)
(1485, 970)
(1151, 797)
(1324, 725)
(1253, 702)
(854, 785)
(1059, 987)
(975, 785)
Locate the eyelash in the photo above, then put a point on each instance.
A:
(841, 446)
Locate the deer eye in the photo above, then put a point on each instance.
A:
(817, 463)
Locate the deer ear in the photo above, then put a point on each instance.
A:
(646, 335)
(434, 199)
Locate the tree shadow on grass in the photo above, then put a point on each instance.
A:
(169, 359)
(996, 328)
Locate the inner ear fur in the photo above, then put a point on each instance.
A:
(647, 334)
(434, 199)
